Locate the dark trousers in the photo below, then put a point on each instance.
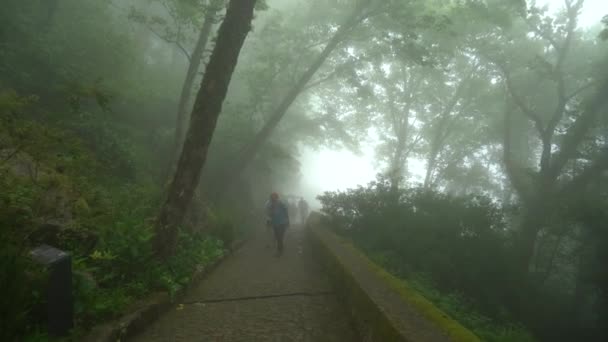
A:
(279, 234)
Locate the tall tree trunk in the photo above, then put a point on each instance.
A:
(537, 209)
(207, 108)
(250, 151)
(437, 144)
(193, 67)
(398, 165)
(50, 8)
(401, 129)
(443, 129)
(532, 222)
(430, 168)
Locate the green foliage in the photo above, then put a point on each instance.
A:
(84, 133)
(460, 242)
(18, 280)
(460, 308)
(111, 294)
(50, 172)
(87, 87)
(222, 226)
(604, 33)
(195, 251)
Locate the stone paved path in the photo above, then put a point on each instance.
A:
(255, 296)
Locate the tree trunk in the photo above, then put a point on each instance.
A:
(530, 226)
(207, 108)
(193, 67)
(437, 143)
(430, 167)
(50, 8)
(443, 130)
(398, 167)
(401, 128)
(250, 151)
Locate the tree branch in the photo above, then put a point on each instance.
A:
(519, 101)
(562, 54)
(581, 89)
(170, 41)
(443, 131)
(518, 184)
(413, 144)
(591, 172)
(11, 155)
(183, 49)
(320, 80)
(579, 129)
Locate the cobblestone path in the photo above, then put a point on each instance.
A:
(255, 296)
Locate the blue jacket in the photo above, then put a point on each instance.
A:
(277, 213)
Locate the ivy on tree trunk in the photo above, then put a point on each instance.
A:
(207, 108)
(193, 66)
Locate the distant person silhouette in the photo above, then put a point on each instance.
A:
(278, 219)
(292, 207)
(303, 206)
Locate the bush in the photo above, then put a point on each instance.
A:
(104, 221)
(461, 309)
(461, 243)
(20, 285)
(221, 226)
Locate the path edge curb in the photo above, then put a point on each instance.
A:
(158, 303)
(372, 321)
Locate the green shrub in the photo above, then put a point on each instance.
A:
(113, 212)
(21, 285)
(221, 226)
(462, 310)
(460, 243)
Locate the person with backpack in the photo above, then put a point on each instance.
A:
(278, 219)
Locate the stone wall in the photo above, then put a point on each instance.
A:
(383, 307)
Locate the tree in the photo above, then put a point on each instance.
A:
(207, 108)
(363, 10)
(184, 17)
(193, 66)
(546, 186)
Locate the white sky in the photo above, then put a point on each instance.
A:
(593, 10)
(328, 170)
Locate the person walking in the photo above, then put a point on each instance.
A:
(303, 206)
(278, 219)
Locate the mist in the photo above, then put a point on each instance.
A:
(460, 146)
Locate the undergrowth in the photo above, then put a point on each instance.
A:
(461, 309)
(459, 244)
(59, 189)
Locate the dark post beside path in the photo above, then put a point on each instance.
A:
(60, 303)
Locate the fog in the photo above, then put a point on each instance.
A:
(461, 146)
(332, 169)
